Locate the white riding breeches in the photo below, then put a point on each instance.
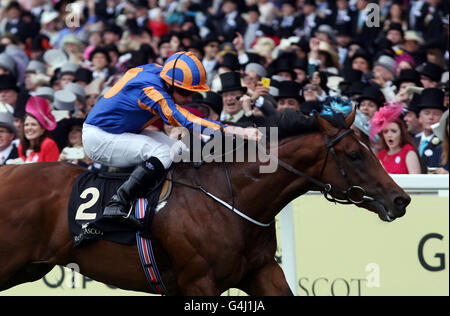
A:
(127, 149)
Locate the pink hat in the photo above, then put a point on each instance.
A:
(386, 115)
(40, 109)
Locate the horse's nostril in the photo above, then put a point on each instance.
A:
(401, 201)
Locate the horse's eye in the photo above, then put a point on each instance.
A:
(355, 155)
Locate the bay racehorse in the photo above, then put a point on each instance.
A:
(201, 247)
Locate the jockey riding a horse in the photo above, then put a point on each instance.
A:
(113, 133)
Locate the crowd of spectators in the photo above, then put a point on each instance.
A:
(57, 57)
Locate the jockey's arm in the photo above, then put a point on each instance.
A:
(175, 115)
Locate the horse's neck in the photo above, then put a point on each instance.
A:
(260, 195)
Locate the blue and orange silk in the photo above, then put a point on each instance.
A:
(137, 100)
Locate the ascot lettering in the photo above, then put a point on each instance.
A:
(440, 256)
(337, 287)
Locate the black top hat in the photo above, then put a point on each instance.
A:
(433, 71)
(408, 75)
(310, 2)
(83, 74)
(362, 53)
(432, 98)
(352, 75)
(289, 89)
(300, 64)
(231, 81)
(214, 100)
(8, 82)
(230, 61)
(413, 104)
(356, 87)
(397, 27)
(374, 94)
(210, 38)
(283, 65)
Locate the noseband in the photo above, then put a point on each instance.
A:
(354, 194)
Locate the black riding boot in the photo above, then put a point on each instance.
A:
(142, 180)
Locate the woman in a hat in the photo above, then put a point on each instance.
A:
(398, 153)
(36, 144)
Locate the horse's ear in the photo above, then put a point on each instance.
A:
(350, 118)
(325, 126)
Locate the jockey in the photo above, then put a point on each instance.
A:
(114, 135)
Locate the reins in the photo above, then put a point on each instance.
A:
(228, 206)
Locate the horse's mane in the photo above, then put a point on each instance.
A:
(291, 122)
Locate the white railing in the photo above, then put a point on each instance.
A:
(413, 184)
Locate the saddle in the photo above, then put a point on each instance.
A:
(91, 192)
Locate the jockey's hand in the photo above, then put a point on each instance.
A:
(178, 132)
(249, 133)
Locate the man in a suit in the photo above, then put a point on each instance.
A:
(233, 96)
(228, 22)
(430, 111)
(8, 149)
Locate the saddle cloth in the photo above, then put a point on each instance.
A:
(90, 193)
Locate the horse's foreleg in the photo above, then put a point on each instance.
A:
(269, 280)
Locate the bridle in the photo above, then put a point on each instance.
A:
(354, 194)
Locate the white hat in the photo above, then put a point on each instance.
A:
(55, 58)
(77, 90)
(7, 120)
(69, 67)
(36, 67)
(259, 69)
(64, 100)
(387, 62)
(48, 16)
(8, 63)
(45, 92)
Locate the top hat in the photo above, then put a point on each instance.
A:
(40, 109)
(212, 99)
(230, 61)
(8, 63)
(231, 81)
(413, 104)
(433, 71)
(432, 98)
(36, 66)
(408, 75)
(7, 120)
(8, 82)
(374, 94)
(289, 89)
(45, 92)
(78, 90)
(387, 62)
(84, 75)
(64, 100)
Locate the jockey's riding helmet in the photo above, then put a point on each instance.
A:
(189, 72)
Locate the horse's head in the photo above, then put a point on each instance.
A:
(353, 174)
